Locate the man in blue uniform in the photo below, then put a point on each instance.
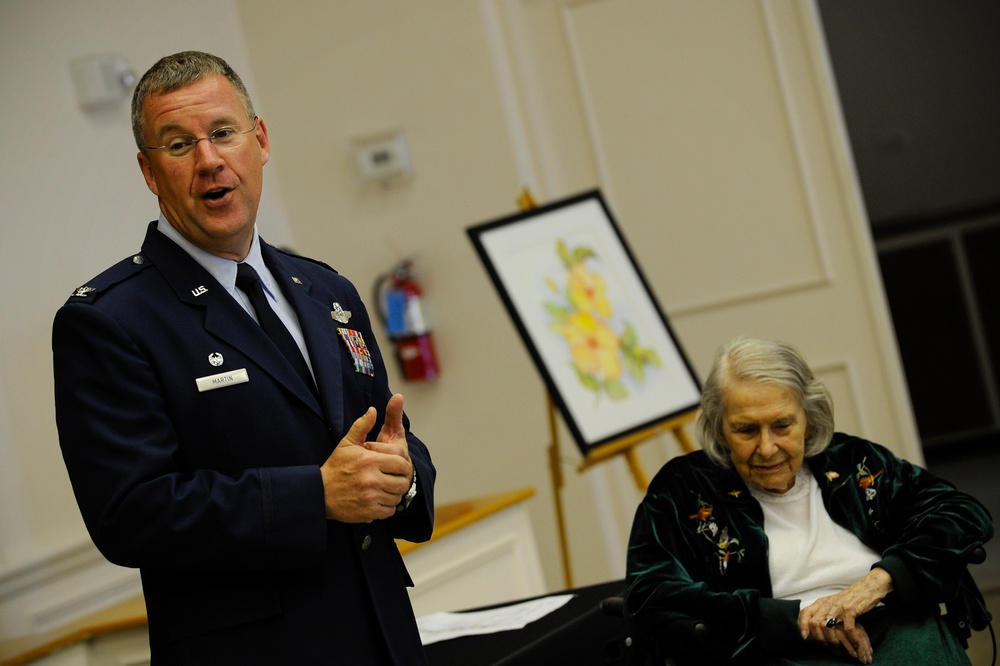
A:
(225, 416)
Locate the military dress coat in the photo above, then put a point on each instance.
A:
(698, 547)
(194, 451)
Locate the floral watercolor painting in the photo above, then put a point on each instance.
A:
(583, 315)
(586, 315)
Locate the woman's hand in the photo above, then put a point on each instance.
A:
(831, 620)
(855, 642)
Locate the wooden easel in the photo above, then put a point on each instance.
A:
(624, 446)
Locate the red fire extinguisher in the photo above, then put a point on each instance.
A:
(398, 297)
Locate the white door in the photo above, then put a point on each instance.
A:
(714, 131)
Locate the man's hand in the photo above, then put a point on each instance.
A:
(392, 437)
(364, 481)
(832, 619)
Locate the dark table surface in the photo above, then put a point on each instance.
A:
(577, 633)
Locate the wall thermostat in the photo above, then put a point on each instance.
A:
(382, 157)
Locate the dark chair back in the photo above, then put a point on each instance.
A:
(967, 612)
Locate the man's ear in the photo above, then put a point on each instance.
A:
(147, 172)
(263, 140)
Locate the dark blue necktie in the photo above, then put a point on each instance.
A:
(248, 280)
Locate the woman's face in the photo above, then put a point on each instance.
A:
(765, 428)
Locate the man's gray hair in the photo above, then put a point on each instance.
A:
(763, 361)
(174, 72)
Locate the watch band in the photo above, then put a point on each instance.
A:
(410, 494)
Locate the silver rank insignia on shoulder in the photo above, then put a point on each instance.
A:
(83, 292)
(339, 314)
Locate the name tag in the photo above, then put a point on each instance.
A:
(222, 380)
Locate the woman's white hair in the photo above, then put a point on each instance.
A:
(766, 362)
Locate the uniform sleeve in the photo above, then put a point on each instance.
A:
(416, 523)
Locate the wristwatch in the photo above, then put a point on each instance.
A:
(410, 494)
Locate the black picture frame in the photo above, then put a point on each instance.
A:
(604, 347)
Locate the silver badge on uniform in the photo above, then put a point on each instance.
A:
(339, 314)
(215, 358)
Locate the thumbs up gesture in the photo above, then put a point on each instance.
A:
(365, 480)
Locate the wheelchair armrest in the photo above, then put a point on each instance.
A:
(613, 606)
(688, 628)
(967, 611)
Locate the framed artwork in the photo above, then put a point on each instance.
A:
(590, 322)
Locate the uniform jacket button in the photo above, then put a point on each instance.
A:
(366, 544)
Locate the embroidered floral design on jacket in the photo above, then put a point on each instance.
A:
(725, 547)
(866, 480)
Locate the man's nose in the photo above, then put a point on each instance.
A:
(206, 155)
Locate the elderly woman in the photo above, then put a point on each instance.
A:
(792, 543)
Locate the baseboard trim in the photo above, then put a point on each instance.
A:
(60, 587)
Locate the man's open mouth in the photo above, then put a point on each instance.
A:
(215, 194)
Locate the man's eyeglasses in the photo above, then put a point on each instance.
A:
(222, 138)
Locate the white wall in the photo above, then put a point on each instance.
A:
(72, 202)
(350, 69)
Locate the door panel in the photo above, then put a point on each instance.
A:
(714, 130)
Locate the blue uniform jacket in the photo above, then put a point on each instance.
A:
(216, 495)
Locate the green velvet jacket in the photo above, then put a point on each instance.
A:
(698, 548)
